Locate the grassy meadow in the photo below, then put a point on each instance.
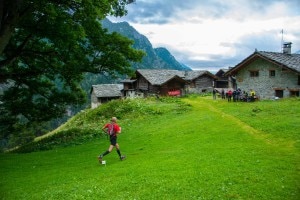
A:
(176, 148)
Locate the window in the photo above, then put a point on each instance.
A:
(272, 73)
(254, 73)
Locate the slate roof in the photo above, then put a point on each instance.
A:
(107, 90)
(191, 75)
(221, 72)
(289, 61)
(160, 76)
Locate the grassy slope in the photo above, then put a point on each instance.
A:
(215, 151)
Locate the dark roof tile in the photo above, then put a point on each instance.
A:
(159, 77)
(291, 61)
(108, 90)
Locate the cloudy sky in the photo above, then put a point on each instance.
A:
(214, 34)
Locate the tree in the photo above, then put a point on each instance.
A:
(46, 46)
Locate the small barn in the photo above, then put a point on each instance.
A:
(105, 92)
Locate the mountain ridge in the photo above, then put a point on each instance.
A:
(155, 58)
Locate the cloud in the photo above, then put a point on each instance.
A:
(237, 51)
(162, 12)
(216, 33)
(155, 12)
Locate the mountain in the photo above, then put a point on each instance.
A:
(167, 57)
(155, 58)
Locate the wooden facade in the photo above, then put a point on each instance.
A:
(200, 81)
(163, 82)
(154, 82)
(159, 82)
(222, 81)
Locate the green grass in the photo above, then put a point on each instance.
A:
(192, 148)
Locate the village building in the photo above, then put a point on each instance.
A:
(129, 88)
(156, 82)
(222, 81)
(200, 81)
(159, 82)
(269, 74)
(169, 82)
(103, 93)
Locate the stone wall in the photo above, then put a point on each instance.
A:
(265, 85)
(94, 100)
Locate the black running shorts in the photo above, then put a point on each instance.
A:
(113, 141)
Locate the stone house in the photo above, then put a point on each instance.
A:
(105, 92)
(269, 74)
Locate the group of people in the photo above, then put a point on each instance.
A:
(236, 95)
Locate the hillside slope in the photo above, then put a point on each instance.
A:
(191, 148)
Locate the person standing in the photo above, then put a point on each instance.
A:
(112, 129)
(238, 94)
(223, 94)
(214, 94)
(252, 95)
(234, 95)
(229, 95)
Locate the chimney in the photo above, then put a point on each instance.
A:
(286, 48)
